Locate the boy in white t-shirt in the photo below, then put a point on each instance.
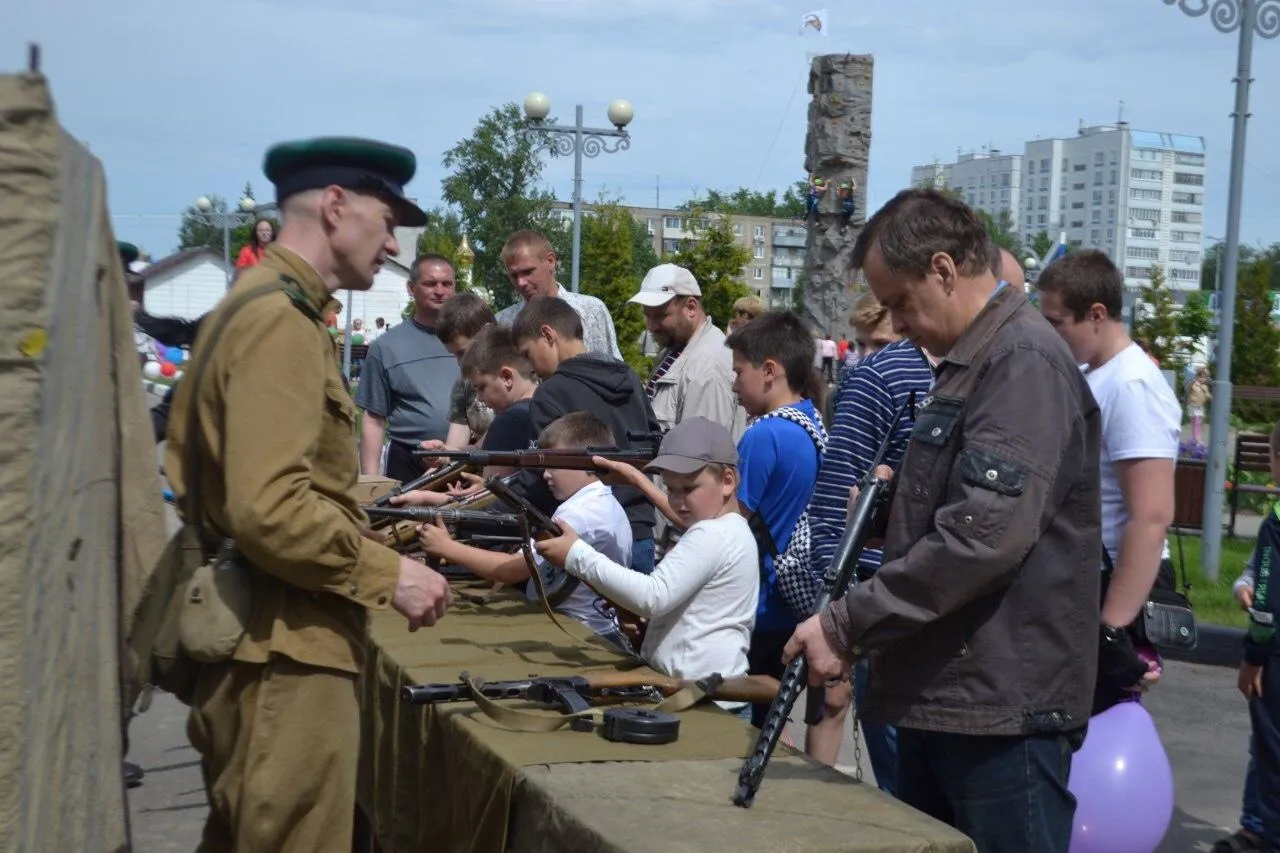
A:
(701, 598)
(588, 506)
(1081, 295)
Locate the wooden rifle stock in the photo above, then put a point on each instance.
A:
(435, 480)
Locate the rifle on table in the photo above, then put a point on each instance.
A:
(840, 573)
(572, 460)
(402, 533)
(437, 479)
(574, 695)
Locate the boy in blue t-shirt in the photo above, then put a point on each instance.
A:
(1259, 678)
(779, 455)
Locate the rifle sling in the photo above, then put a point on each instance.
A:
(518, 720)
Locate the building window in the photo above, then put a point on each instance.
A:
(1040, 220)
(1044, 203)
(759, 232)
(1146, 174)
(1078, 186)
(1113, 177)
(758, 273)
(1145, 214)
(1111, 215)
(1189, 159)
(737, 229)
(651, 224)
(1187, 216)
(1077, 223)
(1079, 167)
(1188, 179)
(1094, 235)
(670, 245)
(1044, 165)
(1188, 198)
(1143, 233)
(758, 252)
(1185, 236)
(672, 222)
(1182, 256)
(1148, 154)
(1004, 179)
(1096, 217)
(1137, 272)
(1143, 253)
(1145, 195)
(1097, 196)
(1098, 157)
(1111, 196)
(1044, 184)
(1184, 275)
(1077, 205)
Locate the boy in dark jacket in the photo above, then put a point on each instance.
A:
(548, 332)
(1260, 670)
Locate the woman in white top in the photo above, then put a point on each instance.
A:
(701, 599)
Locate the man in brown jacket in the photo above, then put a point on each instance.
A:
(277, 725)
(981, 626)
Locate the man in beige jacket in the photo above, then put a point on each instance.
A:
(693, 376)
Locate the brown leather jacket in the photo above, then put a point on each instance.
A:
(984, 616)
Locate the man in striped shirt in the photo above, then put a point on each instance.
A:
(869, 396)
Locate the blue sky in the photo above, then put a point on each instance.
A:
(181, 98)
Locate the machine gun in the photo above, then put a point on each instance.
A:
(573, 460)
(448, 515)
(574, 696)
(840, 572)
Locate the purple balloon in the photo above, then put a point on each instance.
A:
(1122, 783)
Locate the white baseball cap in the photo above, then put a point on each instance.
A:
(664, 282)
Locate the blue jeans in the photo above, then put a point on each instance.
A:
(642, 556)
(1009, 794)
(1251, 809)
(881, 738)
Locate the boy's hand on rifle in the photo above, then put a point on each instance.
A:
(616, 473)
(556, 551)
(432, 444)
(435, 538)
(466, 484)
(418, 497)
(824, 662)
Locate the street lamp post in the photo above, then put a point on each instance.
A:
(248, 207)
(578, 140)
(1249, 17)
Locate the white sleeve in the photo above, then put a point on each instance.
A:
(1141, 423)
(683, 571)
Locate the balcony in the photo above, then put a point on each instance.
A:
(783, 281)
(790, 236)
(794, 263)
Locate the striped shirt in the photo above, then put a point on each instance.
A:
(866, 401)
(598, 334)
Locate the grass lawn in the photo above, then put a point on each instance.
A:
(1212, 599)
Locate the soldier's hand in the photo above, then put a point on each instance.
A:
(614, 472)
(825, 663)
(422, 594)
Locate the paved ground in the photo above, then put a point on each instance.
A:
(1200, 716)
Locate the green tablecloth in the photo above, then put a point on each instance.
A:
(446, 778)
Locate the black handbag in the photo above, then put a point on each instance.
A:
(1166, 619)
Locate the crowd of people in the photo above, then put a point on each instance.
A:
(1030, 459)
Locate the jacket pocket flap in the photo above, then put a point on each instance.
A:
(988, 471)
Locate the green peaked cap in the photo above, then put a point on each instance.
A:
(365, 165)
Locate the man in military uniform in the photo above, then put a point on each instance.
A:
(277, 725)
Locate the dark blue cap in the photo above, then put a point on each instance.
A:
(364, 165)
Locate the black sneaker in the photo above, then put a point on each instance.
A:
(132, 775)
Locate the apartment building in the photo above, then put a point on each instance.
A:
(990, 181)
(1136, 195)
(777, 246)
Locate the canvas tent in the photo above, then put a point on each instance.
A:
(81, 518)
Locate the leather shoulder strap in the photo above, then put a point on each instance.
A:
(191, 456)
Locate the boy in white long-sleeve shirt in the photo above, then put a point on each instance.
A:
(701, 599)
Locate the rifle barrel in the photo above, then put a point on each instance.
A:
(577, 460)
(430, 480)
(424, 514)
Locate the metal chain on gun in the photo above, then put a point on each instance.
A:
(857, 734)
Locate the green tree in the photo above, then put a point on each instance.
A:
(1158, 322)
(442, 235)
(609, 273)
(716, 260)
(643, 256)
(1255, 351)
(494, 182)
(1002, 231)
(198, 228)
(1041, 244)
(748, 202)
(797, 295)
(1195, 321)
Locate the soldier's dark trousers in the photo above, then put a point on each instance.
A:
(1264, 714)
(278, 744)
(402, 465)
(1009, 794)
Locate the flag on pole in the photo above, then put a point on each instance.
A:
(814, 22)
(1055, 251)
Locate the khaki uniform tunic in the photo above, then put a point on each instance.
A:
(278, 467)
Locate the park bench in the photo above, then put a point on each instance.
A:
(1253, 453)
